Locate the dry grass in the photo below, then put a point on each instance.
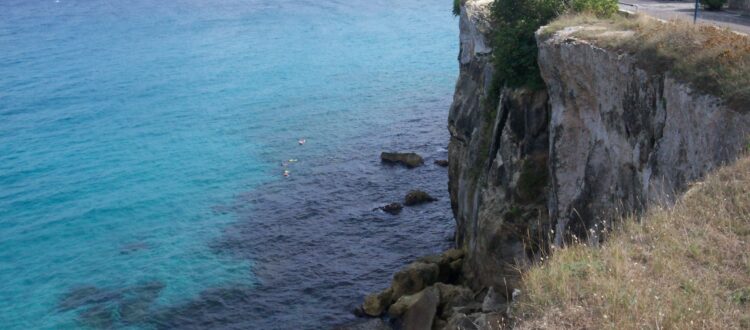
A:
(712, 60)
(685, 267)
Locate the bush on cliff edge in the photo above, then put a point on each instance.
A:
(514, 45)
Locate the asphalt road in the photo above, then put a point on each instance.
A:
(683, 10)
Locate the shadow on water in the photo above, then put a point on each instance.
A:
(316, 245)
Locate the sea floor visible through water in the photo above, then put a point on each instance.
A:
(141, 150)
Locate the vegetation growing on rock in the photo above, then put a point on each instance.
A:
(712, 60)
(514, 45)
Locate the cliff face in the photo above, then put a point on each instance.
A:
(622, 138)
(606, 138)
(498, 162)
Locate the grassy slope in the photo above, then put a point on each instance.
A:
(683, 267)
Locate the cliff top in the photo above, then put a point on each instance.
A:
(712, 60)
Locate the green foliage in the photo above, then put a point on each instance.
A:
(456, 7)
(514, 44)
(713, 4)
(600, 8)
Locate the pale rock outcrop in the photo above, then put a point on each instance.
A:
(621, 137)
(605, 138)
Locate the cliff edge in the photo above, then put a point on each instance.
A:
(605, 139)
(535, 170)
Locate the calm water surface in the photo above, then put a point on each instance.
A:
(140, 151)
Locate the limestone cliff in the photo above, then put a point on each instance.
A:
(498, 163)
(606, 138)
(621, 137)
(541, 168)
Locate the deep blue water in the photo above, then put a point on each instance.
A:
(140, 151)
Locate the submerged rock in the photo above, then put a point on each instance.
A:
(98, 317)
(87, 295)
(392, 208)
(416, 197)
(409, 159)
(441, 162)
(101, 308)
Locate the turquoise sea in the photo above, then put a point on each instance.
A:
(141, 145)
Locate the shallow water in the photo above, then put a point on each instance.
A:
(140, 150)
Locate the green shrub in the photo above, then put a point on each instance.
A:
(713, 4)
(514, 44)
(600, 8)
(456, 7)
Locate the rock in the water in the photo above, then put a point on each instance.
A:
(98, 317)
(409, 159)
(87, 295)
(441, 162)
(421, 314)
(376, 303)
(372, 324)
(415, 197)
(392, 208)
(415, 277)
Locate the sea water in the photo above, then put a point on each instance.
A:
(141, 150)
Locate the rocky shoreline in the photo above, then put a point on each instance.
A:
(604, 139)
(431, 292)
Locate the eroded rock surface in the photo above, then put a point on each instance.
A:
(605, 138)
(416, 197)
(408, 159)
(622, 138)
